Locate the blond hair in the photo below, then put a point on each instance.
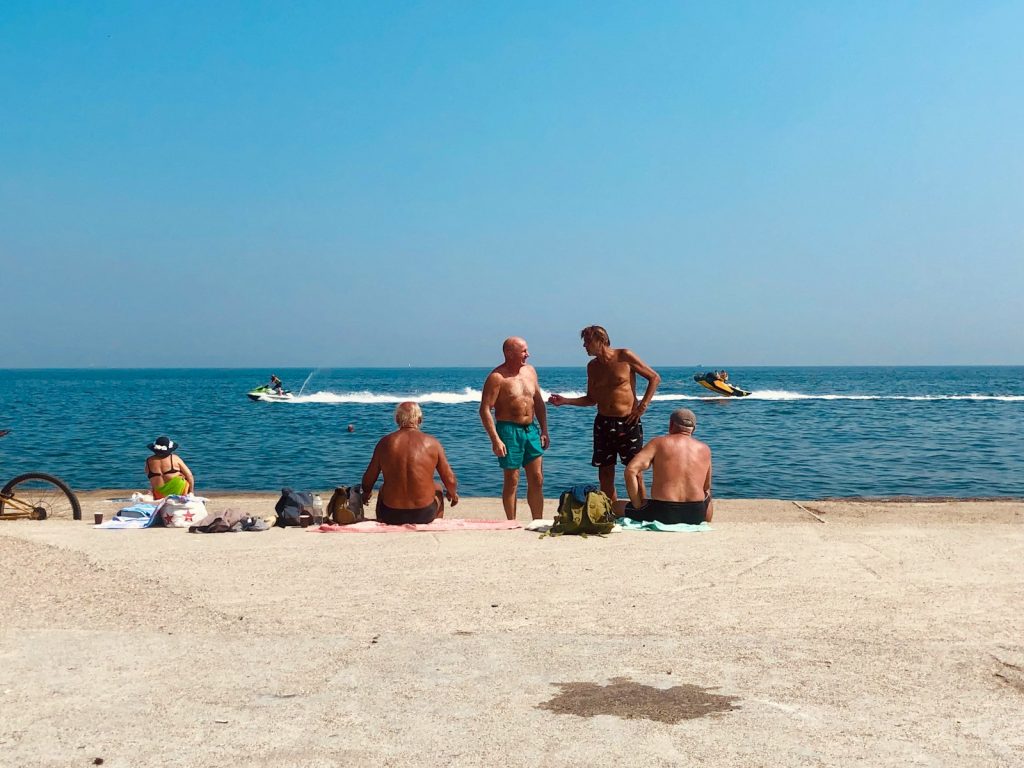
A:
(408, 413)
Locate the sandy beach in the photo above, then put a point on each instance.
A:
(883, 633)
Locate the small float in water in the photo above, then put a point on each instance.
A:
(718, 382)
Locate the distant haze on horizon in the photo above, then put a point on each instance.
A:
(345, 185)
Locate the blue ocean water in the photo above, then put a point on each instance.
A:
(804, 432)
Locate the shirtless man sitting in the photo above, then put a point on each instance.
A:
(681, 489)
(408, 458)
(611, 386)
(512, 391)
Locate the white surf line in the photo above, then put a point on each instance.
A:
(805, 509)
(472, 395)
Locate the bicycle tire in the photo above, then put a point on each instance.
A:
(46, 491)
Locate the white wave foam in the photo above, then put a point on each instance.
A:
(470, 395)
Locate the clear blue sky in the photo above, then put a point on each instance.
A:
(291, 183)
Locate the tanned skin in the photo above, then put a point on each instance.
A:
(512, 392)
(166, 465)
(408, 459)
(682, 469)
(611, 386)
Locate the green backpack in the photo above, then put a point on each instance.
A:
(593, 516)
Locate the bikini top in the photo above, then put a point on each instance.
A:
(172, 471)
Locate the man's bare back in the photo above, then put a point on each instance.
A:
(682, 465)
(408, 458)
(682, 470)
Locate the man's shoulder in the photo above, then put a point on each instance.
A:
(626, 355)
(701, 445)
(430, 440)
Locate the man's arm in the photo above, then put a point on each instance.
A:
(710, 510)
(492, 388)
(641, 368)
(541, 412)
(634, 474)
(586, 401)
(444, 471)
(370, 475)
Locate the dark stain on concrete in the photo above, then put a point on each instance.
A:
(631, 701)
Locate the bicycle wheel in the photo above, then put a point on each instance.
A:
(48, 495)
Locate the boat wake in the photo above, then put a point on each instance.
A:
(468, 395)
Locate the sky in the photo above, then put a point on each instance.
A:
(362, 184)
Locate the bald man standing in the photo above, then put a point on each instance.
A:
(512, 392)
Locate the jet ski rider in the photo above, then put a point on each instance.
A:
(275, 385)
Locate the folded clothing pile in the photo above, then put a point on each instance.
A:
(229, 521)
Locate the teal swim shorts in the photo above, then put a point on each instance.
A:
(522, 444)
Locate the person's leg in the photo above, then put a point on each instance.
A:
(604, 453)
(508, 492)
(535, 487)
(606, 477)
(629, 441)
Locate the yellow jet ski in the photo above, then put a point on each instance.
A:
(718, 383)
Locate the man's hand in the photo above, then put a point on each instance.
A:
(365, 494)
(499, 449)
(556, 400)
(545, 441)
(453, 499)
(639, 409)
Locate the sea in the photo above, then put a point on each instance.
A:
(803, 433)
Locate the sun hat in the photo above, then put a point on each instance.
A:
(163, 445)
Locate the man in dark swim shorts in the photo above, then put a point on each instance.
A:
(611, 386)
(681, 488)
(408, 458)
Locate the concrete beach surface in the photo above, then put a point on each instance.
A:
(832, 633)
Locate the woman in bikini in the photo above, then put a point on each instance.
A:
(168, 474)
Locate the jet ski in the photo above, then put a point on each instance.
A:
(267, 395)
(719, 386)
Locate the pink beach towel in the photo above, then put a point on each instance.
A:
(444, 524)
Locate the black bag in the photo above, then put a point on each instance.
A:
(293, 506)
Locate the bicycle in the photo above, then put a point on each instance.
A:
(38, 496)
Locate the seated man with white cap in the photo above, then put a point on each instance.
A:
(681, 489)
